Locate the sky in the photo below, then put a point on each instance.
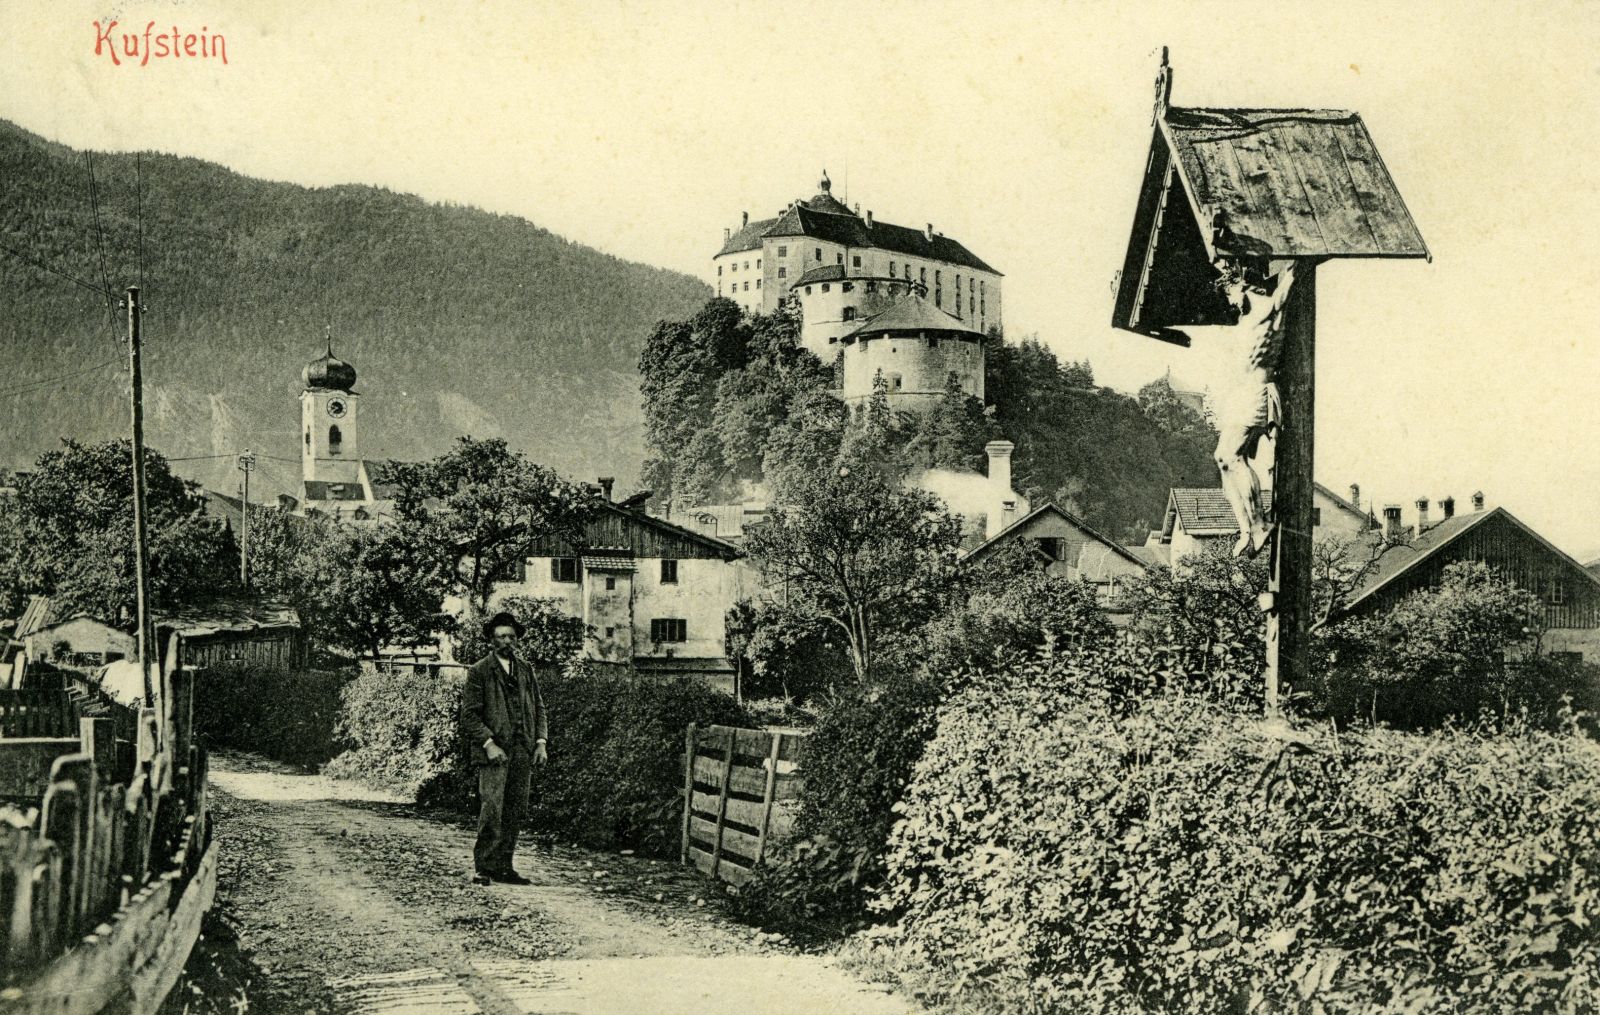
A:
(644, 129)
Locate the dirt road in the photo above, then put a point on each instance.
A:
(332, 898)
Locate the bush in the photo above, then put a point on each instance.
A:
(290, 715)
(616, 750)
(403, 725)
(856, 765)
(1061, 854)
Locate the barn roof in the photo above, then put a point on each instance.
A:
(1250, 183)
(1435, 539)
(35, 617)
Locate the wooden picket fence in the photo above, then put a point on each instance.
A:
(740, 792)
(103, 883)
(36, 712)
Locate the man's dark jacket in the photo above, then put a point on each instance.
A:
(488, 704)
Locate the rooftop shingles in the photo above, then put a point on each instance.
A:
(850, 231)
(912, 313)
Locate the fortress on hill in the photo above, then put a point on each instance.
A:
(874, 297)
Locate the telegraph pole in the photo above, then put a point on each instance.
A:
(141, 551)
(247, 464)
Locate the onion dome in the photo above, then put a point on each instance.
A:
(824, 199)
(329, 373)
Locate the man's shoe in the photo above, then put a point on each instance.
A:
(510, 877)
(481, 877)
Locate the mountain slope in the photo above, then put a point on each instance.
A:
(457, 320)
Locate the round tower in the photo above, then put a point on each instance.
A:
(915, 347)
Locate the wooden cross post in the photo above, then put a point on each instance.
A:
(1290, 607)
(1243, 189)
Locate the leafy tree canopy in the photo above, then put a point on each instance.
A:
(71, 535)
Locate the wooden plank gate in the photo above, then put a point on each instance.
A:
(740, 793)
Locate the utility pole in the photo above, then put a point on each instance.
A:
(141, 551)
(247, 464)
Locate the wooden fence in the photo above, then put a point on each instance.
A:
(37, 712)
(740, 790)
(104, 881)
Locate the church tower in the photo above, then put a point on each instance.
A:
(329, 421)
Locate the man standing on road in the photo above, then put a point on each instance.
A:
(503, 720)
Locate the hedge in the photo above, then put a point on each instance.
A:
(285, 714)
(615, 774)
(1057, 853)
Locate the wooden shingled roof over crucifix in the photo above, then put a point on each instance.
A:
(1250, 183)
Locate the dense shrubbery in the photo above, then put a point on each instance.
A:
(402, 724)
(284, 714)
(1059, 853)
(857, 762)
(616, 750)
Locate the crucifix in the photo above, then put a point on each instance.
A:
(1237, 209)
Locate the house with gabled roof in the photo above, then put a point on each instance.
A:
(825, 242)
(1569, 591)
(654, 595)
(1066, 545)
(1199, 517)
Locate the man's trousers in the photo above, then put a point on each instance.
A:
(502, 801)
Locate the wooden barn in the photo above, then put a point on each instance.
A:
(1570, 592)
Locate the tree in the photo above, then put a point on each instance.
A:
(550, 634)
(370, 587)
(478, 510)
(856, 551)
(1209, 610)
(950, 434)
(1158, 401)
(73, 532)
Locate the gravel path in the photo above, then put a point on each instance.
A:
(333, 898)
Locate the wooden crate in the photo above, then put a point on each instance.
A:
(740, 792)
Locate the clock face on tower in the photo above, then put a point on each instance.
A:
(336, 407)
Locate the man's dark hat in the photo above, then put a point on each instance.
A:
(502, 619)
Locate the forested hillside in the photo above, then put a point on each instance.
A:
(458, 321)
(733, 398)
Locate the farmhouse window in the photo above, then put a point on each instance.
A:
(669, 629)
(849, 313)
(855, 261)
(564, 569)
(783, 272)
(783, 251)
(611, 583)
(669, 572)
(1558, 592)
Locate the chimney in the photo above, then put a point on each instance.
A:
(1477, 500)
(1422, 514)
(1391, 523)
(1448, 506)
(744, 219)
(727, 234)
(858, 209)
(606, 482)
(1355, 494)
(930, 232)
(1000, 492)
(869, 218)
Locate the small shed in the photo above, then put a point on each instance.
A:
(1250, 183)
(239, 629)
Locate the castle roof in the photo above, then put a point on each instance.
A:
(912, 314)
(845, 229)
(748, 238)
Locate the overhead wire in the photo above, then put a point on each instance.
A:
(97, 290)
(100, 235)
(47, 381)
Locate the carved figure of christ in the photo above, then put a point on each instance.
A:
(1251, 408)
